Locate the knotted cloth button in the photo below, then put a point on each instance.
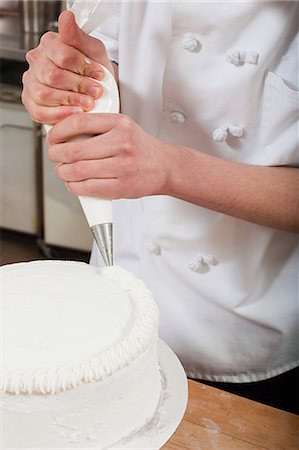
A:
(238, 57)
(221, 133)
(236, 130)
(154, 248)
(251, 57)
(201, 263)
(233, 56)
(190, 43)
(198, 264)
(210, 260)
(177, 117)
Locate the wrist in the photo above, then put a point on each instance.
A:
(180, 172)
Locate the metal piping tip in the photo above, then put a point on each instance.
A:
(103, 237)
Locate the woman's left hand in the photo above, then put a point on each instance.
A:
(115, 158)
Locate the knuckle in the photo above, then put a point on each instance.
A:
(65, 57)
(25, 77)
(125, 122)
(127, 145)
(35, 113)
(68, 153)
(67, 99)
(24, 99)
(52, 153)
(126, 125)
(73, 153)
(73, 98)
(80, 84)
(53, 76)
(79, 170)
(30, 56)
(48, 37)
(41, 95)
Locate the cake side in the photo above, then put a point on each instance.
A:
(93, 415)
(128, 316)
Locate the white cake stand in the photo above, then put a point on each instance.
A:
(169, 413)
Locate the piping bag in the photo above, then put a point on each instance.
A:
(98, 212)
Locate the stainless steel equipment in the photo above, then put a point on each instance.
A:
(38, 16)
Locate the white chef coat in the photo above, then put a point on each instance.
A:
(220, 78)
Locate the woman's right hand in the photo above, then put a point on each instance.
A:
(62, 71)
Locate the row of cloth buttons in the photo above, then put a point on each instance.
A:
(233, 56)
(201, 263)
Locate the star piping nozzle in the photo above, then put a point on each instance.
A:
(103, 236)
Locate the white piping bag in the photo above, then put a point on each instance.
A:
(98, 212)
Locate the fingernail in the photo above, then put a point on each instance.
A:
(97, 75)
(94, 91)
(86, 102)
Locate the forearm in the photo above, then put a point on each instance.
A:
(264, 195)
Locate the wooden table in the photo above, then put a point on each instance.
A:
(217, 420)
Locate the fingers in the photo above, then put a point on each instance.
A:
(47, 73)
(48, 93)
(109, 188)
(98, 147)
(46, 96)
(48, 115)
(84, 170)
(80, 124)
(63, 73)
(69, 58)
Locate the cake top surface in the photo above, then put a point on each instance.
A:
(65, 322)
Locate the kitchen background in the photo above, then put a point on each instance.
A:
(39, 218)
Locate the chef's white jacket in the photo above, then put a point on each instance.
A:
(221, 78)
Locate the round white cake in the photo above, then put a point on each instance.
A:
(79, 355)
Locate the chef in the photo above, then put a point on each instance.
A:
(201, 164)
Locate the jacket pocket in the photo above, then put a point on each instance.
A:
(279, 122)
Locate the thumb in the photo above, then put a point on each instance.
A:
(72, 35)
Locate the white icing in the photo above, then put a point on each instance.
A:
(65, 323)
(94, 415)
(80, 352)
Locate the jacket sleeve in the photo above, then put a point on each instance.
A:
(108, 34)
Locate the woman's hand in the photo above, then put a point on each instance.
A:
(120, 160)
(62, 73)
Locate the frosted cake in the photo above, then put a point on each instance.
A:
(79, 355)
